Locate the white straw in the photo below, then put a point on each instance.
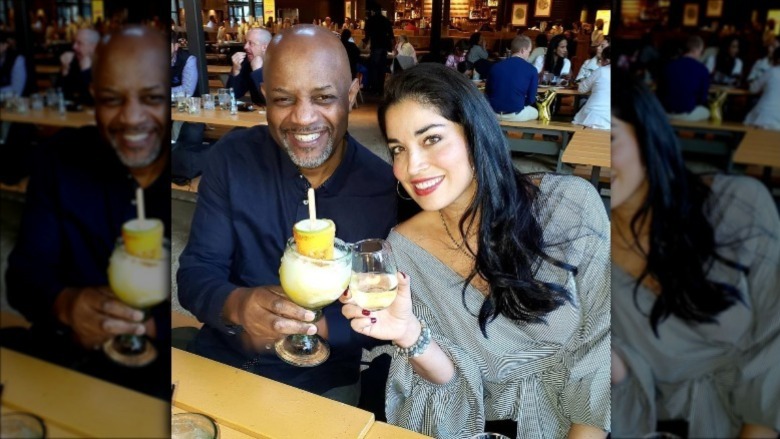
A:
(312, 207)
(139, 203)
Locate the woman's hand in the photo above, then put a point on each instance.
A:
(396, 322)
(619, 369)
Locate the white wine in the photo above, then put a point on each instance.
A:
(373, 291)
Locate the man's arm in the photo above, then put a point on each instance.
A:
(189, 80)
(240, 83)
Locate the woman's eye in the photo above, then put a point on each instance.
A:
(431, 140)
(395, 150)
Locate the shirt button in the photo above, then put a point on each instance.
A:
(305, 202)
(300, 175)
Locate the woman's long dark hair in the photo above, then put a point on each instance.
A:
(510, 243)
(724, 62)
(552, 62)
(682, 241)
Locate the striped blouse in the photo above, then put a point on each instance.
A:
(544, 376)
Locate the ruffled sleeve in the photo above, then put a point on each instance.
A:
(451, 410)
(757, 393)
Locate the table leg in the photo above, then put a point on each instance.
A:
(595, 173)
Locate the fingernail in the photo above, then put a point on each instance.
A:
(312, 329)
(404, 275)
(373, 320)
(366, 312)
(345, 292)
(138, 316)
(140, 330)
(309, 315)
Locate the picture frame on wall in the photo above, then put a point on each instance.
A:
(543, 8)
(691, 15)
(348, 9)
(519, 14)
(714, 8)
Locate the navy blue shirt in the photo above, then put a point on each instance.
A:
(79, 196)
(512, 85)
(250, 196)
(684, 84)
(247, 80)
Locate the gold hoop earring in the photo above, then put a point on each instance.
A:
(398, 190)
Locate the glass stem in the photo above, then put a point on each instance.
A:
(304, 343)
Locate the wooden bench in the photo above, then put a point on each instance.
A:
(590, 147)
(715, 139)
(534, 146)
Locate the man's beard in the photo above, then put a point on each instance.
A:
(313, 162)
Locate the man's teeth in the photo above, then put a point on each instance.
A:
(135, 137)
(306, 137)
(427, 184)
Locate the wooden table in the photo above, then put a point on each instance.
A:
(259, 407)
(724, 137)
(760, 147)
(51, 117)
(547, 147)
(78, 405)
(590, 147)
(222, 117)
(48, 70)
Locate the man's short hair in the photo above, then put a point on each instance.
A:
(693, 44)
(520, 42)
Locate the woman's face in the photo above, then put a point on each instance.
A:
(734, 48)
(562, 50)
(430, 156)
(628, 173)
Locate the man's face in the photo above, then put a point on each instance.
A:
(253, 46)
(131, 93)
(307, 114)
(82, 46)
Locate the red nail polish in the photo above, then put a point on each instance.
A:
(373, 320)
(345, 292)
(404, 275)
(365, 312)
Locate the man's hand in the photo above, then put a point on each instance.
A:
(237, 59)
(256, 63)
(65, 59)
(267, 315)
(95, 315)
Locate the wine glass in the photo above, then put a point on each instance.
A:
(312, 284)
(192, 426)
(22, 425)
(140, 283)
(374, 283)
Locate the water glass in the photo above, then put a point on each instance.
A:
(51, 98)
(192, 426)
(36, 101)
(22, 105)
(194, 105)
(223, 95)
(21, 425)
(208, 101)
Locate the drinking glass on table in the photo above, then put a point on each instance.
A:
(192, 426)
(374, 283)
(21, 425)
(223, 95)
(140, 282)
(312, 284)
(194, 107)
(208, 101)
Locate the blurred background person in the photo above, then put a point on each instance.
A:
(684, 84)
(766, 113)
(247, 73)
(596, 111)
(77, 67)
(695, 272)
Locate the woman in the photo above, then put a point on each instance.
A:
(540, 49)
(695, 333)
(477, 56)
(555, 61)
(594, 63)
(595, 112)
(725, 66)
(511, 279)
(766, 113)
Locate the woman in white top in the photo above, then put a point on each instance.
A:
(725, 66)
(405, 55)
(764, 64)
(590, 66)
(596, 112)
(540, 49)
(766, 113)
(555, 61)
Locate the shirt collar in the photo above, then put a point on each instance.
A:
(336, 181)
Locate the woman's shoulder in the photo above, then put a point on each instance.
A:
(415, 228)
(571, 202)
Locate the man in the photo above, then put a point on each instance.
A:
(15, 152)
(77, 67)
(252, 193)
(685, 83)
(188, 153)
(379, 34)
(511, 86)
(77, 201)
(247, 73)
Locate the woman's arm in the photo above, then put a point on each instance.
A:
(580, 431)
